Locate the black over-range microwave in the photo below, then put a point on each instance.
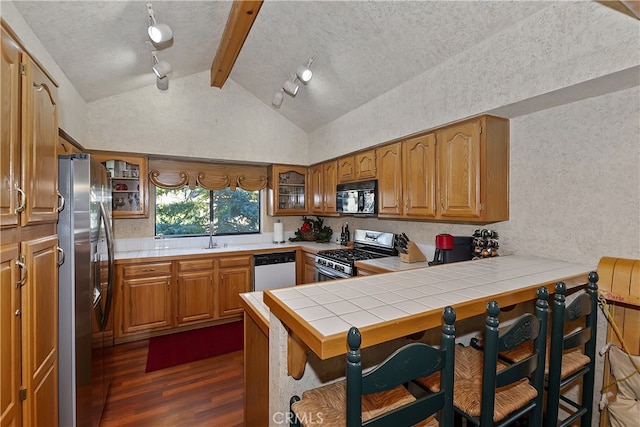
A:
(357, 198)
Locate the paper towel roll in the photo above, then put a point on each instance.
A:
(278, 232)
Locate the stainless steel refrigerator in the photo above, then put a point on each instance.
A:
(85, 290)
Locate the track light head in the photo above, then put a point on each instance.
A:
(158, 33)
(162, 69)
(304, 74)
(290, 87)
(162, 83)
(277, 99)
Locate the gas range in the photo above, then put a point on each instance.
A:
(367, 244)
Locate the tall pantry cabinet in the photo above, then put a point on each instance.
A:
(29, 203)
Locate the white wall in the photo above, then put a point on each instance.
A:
(71, 107)
(192, 119)
(561, 46)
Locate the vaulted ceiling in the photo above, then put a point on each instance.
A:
(364, 48)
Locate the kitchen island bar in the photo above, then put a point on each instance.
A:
(389, 307)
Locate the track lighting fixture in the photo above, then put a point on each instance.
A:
(158, 33)
(290, 87)
(277, 99)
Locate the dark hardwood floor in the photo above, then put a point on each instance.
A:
(208, 392)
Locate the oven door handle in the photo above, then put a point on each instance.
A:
(329, 272)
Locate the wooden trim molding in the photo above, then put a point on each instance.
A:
(173, 174)
(239, 23)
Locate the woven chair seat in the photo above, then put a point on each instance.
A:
(331, 402)
(467, 388)
(572, 360)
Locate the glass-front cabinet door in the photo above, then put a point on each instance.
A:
(129, 184)
(288, 190)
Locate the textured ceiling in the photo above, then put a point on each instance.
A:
(364, 48)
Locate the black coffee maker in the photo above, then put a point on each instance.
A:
(452, 249)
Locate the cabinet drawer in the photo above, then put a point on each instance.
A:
(196, 264)
(235, 261)
(154, 269)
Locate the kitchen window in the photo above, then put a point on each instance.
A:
(186, 212)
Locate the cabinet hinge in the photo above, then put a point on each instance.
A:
(480, 129)
(481, 207)
(23, 69)
(23, 393)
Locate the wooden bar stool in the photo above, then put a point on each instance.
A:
(572, 354)
(489, 392)
(378, 397)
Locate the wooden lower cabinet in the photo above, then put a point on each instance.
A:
(196, 291)
(39, 310)
(256, 370)
(235, 278)
(146, 296)
(10, 409)
(156, 297)
(309, 268)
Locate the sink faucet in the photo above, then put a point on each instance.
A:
(212, 243)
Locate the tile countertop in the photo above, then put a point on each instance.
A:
(397, 304)
(221, 249)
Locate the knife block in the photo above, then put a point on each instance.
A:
(414, 254)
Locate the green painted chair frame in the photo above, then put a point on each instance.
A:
(526, 327)
(405, 364)
(585, 305)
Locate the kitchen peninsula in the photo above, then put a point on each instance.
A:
(387, 308)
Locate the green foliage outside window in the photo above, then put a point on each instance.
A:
(183, 211)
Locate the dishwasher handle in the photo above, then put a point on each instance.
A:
(274, 258)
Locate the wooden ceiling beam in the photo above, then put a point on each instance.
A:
(241, 17)
(633, 6)
(628, 7)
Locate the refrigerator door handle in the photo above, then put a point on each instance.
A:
(61, 256)
(110, 272)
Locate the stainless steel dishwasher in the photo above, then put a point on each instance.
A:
(274, 270)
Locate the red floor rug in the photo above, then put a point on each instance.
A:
(175, 349)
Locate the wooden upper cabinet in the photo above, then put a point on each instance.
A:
(330, 178)
(419, 177)
(287, 190)
(459, 154)
(316, 189)
(129, 182)
(459, 173)
(39, 167)
(360, 166)
(365, 165)
(473, 174)
(66, 147)
(10, 158)
(346, 169)
(390, 180)
(323, 180)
